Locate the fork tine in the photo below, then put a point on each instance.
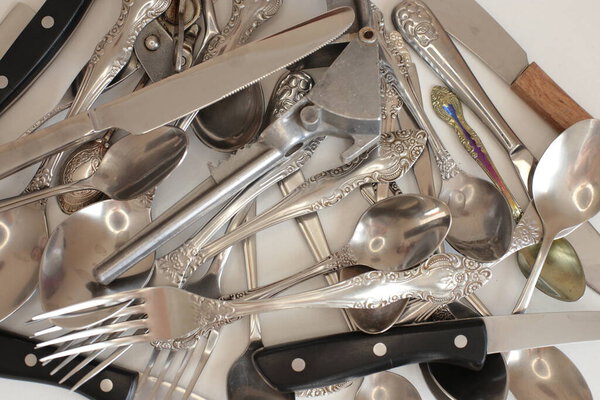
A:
(47, 331)
(118, 342)
(62, 364)
(81, 364)
(100, 367)
(163, 371)
(211, 343)
(93, 305)
(113, 328)
(132, 310)
(181, 370)
(149, 365)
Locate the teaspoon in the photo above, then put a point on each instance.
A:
(131, 167)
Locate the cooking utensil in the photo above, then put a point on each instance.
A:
(36, 46)
(565, 189)
(245, 109)
(465, 342)
(243, 381)
(386, 386)
(563, 276)
(171, 312)
(471, 25)
(12, 24)
(356, 118)
(136, 113)
(131, 167)
(482, 223)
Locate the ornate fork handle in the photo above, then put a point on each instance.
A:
(444, 278)
(246, 16)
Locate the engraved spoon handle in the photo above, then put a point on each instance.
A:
(448, 107)
(427, 36)
(442, 280)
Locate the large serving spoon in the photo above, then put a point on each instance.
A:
(562, 276)
(481, 218)
(131, 167)
(566, 190)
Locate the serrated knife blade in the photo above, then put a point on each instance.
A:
(172, 98)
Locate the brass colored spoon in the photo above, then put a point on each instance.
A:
(562, 276)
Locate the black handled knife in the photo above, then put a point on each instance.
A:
(37, 45)
(332, 359)
(20, 360)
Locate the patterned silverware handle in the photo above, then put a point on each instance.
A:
(421, 29)
(444, 278)
(246, 16)
(448, 107)
(110, 56)
(395, 155)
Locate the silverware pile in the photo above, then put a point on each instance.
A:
(404, 297)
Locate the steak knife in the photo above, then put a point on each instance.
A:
(331, 359)
(37, 45)
(477, 30)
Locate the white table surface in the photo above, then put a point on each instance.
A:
(562, 37)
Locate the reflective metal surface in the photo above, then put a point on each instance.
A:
(566, 190)
(386, 386)
(545, 373)
(131, 167)
(66, 266)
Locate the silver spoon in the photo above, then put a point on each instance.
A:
(481, 218)
(386, 386)
(566, 190)
(243, 380)
(131, 167)
(238, 119)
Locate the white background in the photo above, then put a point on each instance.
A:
(562, 37)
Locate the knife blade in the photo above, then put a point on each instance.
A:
(465, 342)
(477, 30)
(37, 45)
(174, 97)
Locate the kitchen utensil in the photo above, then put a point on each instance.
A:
(356, 118)
(431, 282)
(12, 24)
(137, 113)
(24, 247)
(395, 154)
(482, 223)
(563, 276)
(452, 382)
(245, 109)
(471, 25)
(465, 342)
(243, 381)
(36, 46)
(131, 167)
(386, 386)
(565, 189)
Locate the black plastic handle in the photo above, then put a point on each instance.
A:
(333, 359)
(37, 45)
(17, 356)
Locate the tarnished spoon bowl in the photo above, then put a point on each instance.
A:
(65, 275)
(386, 386)
(481, 218)
(562, 276)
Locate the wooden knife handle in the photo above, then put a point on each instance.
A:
(548, 100)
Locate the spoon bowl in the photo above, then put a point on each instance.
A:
(67, 264)
(386, 386)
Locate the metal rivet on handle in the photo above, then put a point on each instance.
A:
(30, 360)
(106, 385)
(298, 364)
(3, 81)
(47, 22)
(460, 341)
(152, 42)
(380, 349)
